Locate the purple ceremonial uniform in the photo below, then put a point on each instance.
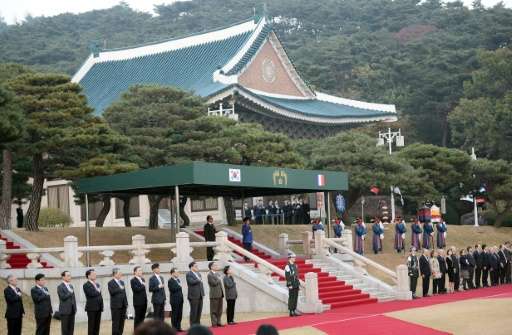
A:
(376, 241)
(399, 240)
(441, 239)
(428, 229)
(416, 233)
(359, 241)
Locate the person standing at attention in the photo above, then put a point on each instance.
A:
(140, 298)
(216, 294)
(67, 304)
(209, 236)
(14, 310)
(247, 235)
(400, 230)
(43, 310)
(378, 235)
(176, 299)
(94, 302)
(231, 294)
(118, 301)
(425, 272)
(156, 286)
(359, 236)
(292, 282)
(413, 271)
(415, 233)
(195, 293)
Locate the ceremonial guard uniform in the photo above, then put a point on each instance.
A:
(413, 270)
(416, 233)
(441, 234)
(428, 231)
(400, 231)
(292, 282)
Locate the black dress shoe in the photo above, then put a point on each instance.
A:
(232, 323)
(296, 313)
(220, 325)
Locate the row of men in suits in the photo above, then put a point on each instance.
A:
(470, 266)
(118, 299)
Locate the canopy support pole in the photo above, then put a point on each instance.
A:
(327, 199)
(87, 230)
(175, 228)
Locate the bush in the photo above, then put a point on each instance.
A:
(490, 216)
(53, 217)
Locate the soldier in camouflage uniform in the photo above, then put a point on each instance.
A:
(292, 282)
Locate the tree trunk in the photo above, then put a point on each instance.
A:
(230, 211)
(104, 211)
(37, 192)
(126, 211)
(183, 215)
(154, 203)
(5, 206)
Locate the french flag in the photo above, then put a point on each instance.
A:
(321, 180)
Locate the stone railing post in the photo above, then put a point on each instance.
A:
(311, 288)
(3, 256)
(222, 251)
(307, 236)
(182, 252)
(71, 253)
(139, 253)
(312, 303)
(34, 260)
(283, 244)
(403, 289)
(320, 247)
(107, 258)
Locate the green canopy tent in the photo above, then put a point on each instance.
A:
(213, 179)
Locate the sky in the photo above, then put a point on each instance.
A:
(15, 10)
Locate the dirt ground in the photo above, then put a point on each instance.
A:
(469, 317)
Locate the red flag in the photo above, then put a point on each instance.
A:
(375, 190)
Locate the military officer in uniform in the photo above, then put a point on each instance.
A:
(292, 282)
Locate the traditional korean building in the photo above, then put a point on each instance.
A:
(242, 70)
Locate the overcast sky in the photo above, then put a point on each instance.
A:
(15, 10)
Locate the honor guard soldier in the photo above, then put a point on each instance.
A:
(292, 282)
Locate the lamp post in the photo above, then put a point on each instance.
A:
(475, 207)
(389, 137)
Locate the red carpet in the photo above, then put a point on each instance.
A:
(378, 324)
(18, 261)
(360, 319)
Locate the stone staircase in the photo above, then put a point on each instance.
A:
(351, 279)
(18, 261)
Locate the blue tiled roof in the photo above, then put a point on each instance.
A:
(189, 68)
(319, 108)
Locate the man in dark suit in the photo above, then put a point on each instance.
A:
(195, 293)
(14, 310)
(503, 264)
(140, 299)
(508, 255)
(216, 294)
(486, 265)
(156, 286)
(479, 263)
(94, 303)
(176, 299)
(42, 305)
(209, 236)
(443, 269)
(471, 267)
(231, 294)
(425, 271)
(67, 304)
(118, 301)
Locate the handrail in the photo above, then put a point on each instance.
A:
(295, 242)
(125, 247)
(363, 259)
(259, 260)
